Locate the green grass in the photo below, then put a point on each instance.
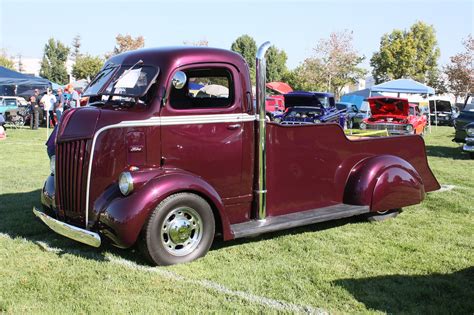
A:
(420, 262)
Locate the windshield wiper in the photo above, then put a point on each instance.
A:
(96, 103)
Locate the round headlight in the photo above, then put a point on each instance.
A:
(125, 183)
(317, 121)
(470, 132)
(52, 164)
(409, 128)
(363, 125)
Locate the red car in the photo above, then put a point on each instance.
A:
(394, 114)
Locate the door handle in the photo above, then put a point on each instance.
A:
(233, 127)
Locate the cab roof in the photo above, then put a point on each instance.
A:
(166, 57)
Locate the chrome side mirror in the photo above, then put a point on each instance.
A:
(179, 80)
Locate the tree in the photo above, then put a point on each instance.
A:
(247, 47)
(276, 64)
(126, 43)
(460, 71)
(339, 60)
(5, 61)
(86, 67)
(199, 43)
(53, 65)
(407, 54)
(76, 45)
(308, 76)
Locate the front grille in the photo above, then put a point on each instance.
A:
(71, 178)
(389, 127)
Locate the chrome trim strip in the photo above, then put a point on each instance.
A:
(161, 121)
(261, 67)
(69, 231)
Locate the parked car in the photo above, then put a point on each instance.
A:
(147, 162)
(11, 102)
(442, 113)
(466, 116)
(310, 108)
(363, 113)
(395, 115)
(274, 105)
(469, 140)
(351, 112)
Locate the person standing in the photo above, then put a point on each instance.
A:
(49, 100)
(34, 110)
(59, 105)
(74, 101)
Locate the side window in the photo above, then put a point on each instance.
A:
(205, 88)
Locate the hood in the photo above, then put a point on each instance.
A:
(279, 87)
(388, 106)
(302, 98)
(78, 123)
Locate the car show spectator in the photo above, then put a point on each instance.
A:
(34, 110)
(74, 99)
(59, 104)
(48, 101)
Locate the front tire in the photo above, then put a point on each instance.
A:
(382, 215)
(180, 229)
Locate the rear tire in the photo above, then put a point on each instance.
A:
(180, 229)
(382, 215)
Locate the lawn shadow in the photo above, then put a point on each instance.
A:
(18, 221)
(420, 294)
(446, 152)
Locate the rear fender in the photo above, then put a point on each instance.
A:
(124, 217)
(384, 182)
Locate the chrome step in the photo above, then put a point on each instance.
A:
(296, 219)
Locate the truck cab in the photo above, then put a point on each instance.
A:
(150, 160)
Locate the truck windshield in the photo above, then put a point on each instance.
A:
(122, 81)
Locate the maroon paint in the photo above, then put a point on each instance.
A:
(308, 166)
(384, 182)
(126, 215)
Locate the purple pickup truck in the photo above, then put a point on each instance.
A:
(153, 162)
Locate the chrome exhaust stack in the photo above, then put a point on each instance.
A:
(261, 74)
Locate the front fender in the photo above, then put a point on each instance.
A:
(384, 182)
(125, 216)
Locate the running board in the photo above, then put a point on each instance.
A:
(296, 219)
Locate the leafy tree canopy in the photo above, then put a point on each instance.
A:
(53, 65)
(86, 67)
(409, 53)
(5, 61)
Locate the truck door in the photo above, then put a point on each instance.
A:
(203, 126)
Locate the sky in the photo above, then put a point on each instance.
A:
(295, 26)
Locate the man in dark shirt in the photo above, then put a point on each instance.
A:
(34, 110)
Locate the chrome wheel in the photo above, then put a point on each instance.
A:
(181, 231)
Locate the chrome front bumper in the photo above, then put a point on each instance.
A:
(70, 231)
